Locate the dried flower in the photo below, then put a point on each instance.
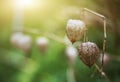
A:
(15, 38)
(24, 43)
(88, 53)
(42, 43)
(71, 53)
(75, 30)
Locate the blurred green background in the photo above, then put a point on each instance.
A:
(51, 16)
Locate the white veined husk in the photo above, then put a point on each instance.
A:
(15, 38)
(42, 43)
(71, 53)
(75, 30)
(25, 43)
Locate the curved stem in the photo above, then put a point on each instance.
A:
(104, 43)
(105, 35)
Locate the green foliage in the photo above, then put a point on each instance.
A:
(52, 66)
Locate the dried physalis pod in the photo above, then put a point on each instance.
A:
(15, 38)
(75, 30)
(25, 43)
(71, 53)
(42, 43)
(88, 53)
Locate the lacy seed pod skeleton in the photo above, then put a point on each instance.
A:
(75, 30)
(88, 53)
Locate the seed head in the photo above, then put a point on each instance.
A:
(75, 30)
(88, 53)
(24, 43)
(42, 43)
(71, 53)
(15, 38)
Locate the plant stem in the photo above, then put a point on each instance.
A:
(71, 72)
(104, 25)
(102, 73)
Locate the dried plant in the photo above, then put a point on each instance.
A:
(88, 51)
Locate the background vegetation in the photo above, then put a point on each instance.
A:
(51, 16)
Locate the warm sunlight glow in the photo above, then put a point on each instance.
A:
(24, 3)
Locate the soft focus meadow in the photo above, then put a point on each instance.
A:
(34, 46)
